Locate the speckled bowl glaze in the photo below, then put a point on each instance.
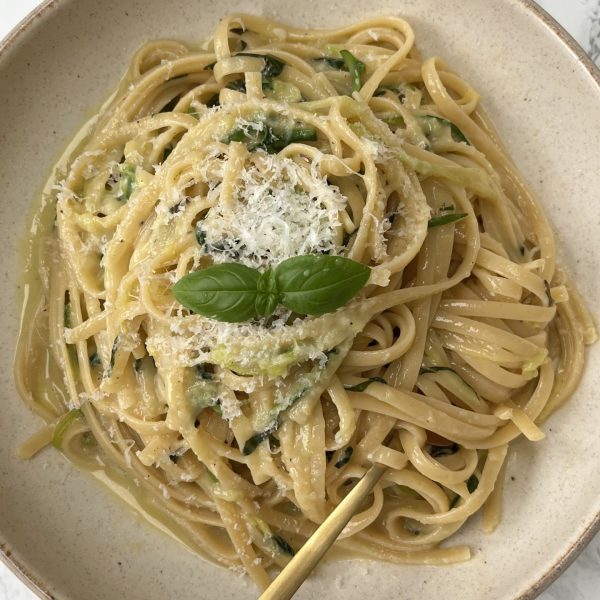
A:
(72, 539)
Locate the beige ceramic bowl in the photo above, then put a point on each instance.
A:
(73, 539)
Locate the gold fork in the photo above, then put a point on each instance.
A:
(299, 568)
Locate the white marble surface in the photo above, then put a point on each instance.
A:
(582, 19)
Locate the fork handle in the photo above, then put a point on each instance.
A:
(299, 568)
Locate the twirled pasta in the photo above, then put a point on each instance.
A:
(245, 436)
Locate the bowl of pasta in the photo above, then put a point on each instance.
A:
(262, 248)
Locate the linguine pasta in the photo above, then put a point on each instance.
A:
(269, 143)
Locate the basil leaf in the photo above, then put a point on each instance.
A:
(268, 297)
(316, 284)
(226, 292)
(310, 285)
(355, 67)
(363, 385)
(445, 219)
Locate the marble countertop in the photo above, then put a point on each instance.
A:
(581, 18)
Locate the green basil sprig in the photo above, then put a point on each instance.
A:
(313, 284)
(355, 67)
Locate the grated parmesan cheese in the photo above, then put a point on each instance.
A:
(230, 406)
(279, 210)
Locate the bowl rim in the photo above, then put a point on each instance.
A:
(572, 552)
